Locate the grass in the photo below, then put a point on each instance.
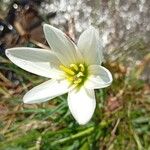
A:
(121, 120)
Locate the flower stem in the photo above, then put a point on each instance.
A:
(75, 136)
(85, 132)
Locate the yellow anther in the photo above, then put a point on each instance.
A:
(80, 74)
(82, 67)
(79, 80)
(76, 74)
(67, 70)
(74, 66)
(70, 78)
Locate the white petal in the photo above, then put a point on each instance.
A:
(46, 91)
(82, 104)
(89, 45)
(64, 48)
(38, 61)
(99, 77)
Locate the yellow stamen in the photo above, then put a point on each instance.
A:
(79, 80)
(80, 74)
(82, 67)
(70, 78)
(74, 66)
(76, 74)
(67, 70)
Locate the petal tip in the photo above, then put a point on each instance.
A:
(92, 28)
(25, 100)
(8, 53)
(81, 122)
(47, 26)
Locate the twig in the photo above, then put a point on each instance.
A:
(10, 120)
(115, 128)
(22, 32)
(3, 78)
(39, 44)
(71, 28)
(113, 134)
(137, 140)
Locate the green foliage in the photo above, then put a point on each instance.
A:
(50, 126)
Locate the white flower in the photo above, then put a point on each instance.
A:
(73, 69)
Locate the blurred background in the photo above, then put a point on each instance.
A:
(122, 117)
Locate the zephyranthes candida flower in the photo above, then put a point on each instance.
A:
(73, 69)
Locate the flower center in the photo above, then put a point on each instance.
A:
(75, 73)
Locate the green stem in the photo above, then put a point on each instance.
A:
(75, 136)
(85, 132)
